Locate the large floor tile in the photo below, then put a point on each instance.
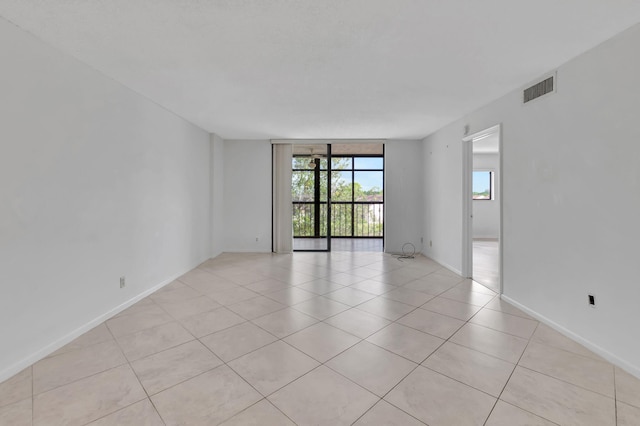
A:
(209, 398)
(408, 296)
(256, 307)
(141, 413)
(374, 287)
(386, 414)
(88, 399)
(359, 323)
(17, 414)
(471, 285)
(627, 387)
(627, 415)
(492, 342)
(129, 324)
(442, 326)
(320, 307)
(407, 342)
(16, 388)
(98, 334)
(50, 373)
(386, 308)
(238, 340)
(548, 336)
(372, 367)
(261, 414)
(320, 286)
(588, 373)
(290, 295)
(267, 286)
(434, 284)
(197, 275)
(345, 278)
(322, 341)
(186, 308)
(350, 296)
(468, 296)
(440, 401)
(232, 296)
(143, 305)
(497, 304)
(273, 366)
(284, 322)
(215, 285)
(510, 324)
(177, 295)
(323, 397)
(558, 401)
(209, 322)
(452, 308)
(165, 369)
(471, 367)
(399, 276)
(153, 340)
(504, 414)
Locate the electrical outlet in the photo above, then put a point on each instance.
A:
(421, 240)
(592, 300)
(122, 284)
(257, 239)
(430, 243)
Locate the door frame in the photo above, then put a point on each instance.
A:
(467, 201)
(317, 175)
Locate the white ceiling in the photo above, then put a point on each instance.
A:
(322, 68)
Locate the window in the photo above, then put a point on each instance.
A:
(483, 185)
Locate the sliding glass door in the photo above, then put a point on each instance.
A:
(311, 180)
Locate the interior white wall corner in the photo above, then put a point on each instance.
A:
(247, 196)
(216, 207)
(403, 195)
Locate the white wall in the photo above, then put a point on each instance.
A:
(403, 194)
(247, 195)
(442, 202)
(486, 213)
(217, 195)
(96, 182)
(571, 194)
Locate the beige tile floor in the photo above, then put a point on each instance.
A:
(321, 339)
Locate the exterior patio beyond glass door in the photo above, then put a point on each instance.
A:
(311, 197)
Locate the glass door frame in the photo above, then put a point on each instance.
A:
(317, 202)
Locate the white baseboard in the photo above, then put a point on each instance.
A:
(69, 337)
(614, 359)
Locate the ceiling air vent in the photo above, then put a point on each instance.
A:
(539, 89)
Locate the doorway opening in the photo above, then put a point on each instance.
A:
(338, 197)
(482, 223)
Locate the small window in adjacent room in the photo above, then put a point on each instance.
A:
(482, 185)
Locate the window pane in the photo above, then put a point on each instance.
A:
(304, 163)
(341, 186)
(375, 163)
(368, 186)
(341, 163)
(341, 220)
(303, 219)
(368, 220)
(302, 186)
(481, 185)
(323, 186)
